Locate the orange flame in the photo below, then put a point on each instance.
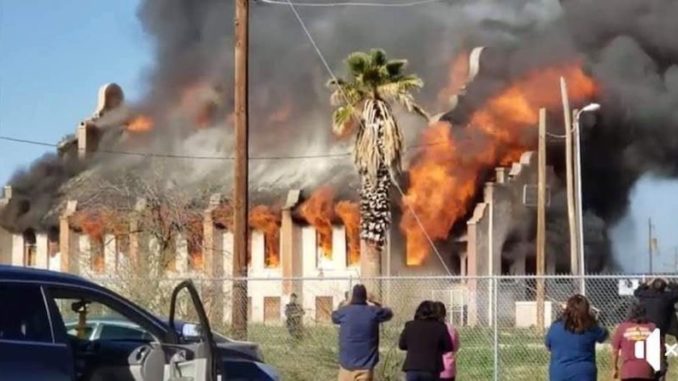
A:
(444, 176)
(267, 220)
(349, 212)
(141, 123)
(95, 224)
(318, 212)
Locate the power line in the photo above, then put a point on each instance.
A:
(334, 77)
(196, 157)
(355, 4)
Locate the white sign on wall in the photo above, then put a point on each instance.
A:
(627, 286)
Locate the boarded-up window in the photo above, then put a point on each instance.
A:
(271, 309)
(97, 255)
(53, 242)
(168, 254)
(30, 248)
(323, 308)
(195, 255)
(122, 245)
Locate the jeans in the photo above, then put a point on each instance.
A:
(414, 375)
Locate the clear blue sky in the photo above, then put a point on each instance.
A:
(54, 55)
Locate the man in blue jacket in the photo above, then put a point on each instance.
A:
(359, 335)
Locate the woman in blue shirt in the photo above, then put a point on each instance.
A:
(572, 342)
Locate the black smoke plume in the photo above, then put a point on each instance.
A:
(627, 46)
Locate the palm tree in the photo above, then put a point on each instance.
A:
(363, 102)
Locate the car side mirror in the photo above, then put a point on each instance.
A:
(191, 331)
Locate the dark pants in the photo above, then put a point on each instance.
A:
(421, 376)
(448, 379)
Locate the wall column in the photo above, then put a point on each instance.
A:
(68, 240)
(213, 253)
(291, 258)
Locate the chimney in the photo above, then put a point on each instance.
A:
(88, 139)
(290, 248)
(110, 97)
(501, 175)
(6, 195)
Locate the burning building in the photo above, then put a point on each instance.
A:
(97, 231)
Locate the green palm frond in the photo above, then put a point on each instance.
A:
(344, 93)
(378, 57)
(395, 67)
(410, 82)
(372, 76)
(343, 118)
(358, 62)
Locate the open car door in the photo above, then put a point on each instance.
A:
(178, 361)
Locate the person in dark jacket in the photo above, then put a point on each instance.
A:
(659, 299)
(294, 314)
(359, 335)
(426, 339)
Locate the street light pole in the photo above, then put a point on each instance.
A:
(577, 169)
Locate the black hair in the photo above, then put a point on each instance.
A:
(425, 311)
(440, 311)
(359, 294)
(637, 313)
(659, 285)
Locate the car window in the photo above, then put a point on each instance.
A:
(72, 329)
(116, 332)
(91, 320)
(24, 316)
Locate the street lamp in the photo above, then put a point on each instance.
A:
(592, 107)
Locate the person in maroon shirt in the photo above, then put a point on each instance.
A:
(635, 329)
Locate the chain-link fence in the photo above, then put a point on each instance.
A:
(497, 318)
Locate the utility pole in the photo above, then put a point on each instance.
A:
(240, 197)
(567, 114)
(650, 243)
(541, 219)
(578, 201)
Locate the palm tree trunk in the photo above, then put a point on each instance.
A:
(378, 148)
(375, 208)
(375, 205)
(370, 267)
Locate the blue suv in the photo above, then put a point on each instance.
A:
(36, 343)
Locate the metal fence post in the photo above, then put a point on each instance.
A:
(495, 326)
